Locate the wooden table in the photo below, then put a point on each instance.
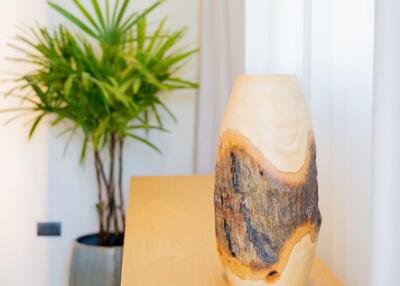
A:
(170, 235)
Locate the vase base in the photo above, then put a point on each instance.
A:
(295, 273)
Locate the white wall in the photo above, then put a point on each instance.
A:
(23, 256)
(328, 44)
(41, 184)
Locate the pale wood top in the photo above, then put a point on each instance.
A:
(271, 112)
(170, 235)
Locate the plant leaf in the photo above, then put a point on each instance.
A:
(114, 14)
(99, 14)
(84, 148)
(121, 12)
(141, 33)
(144, 126)
(156, 35)
(73, 19)
(145, 141)
(128, 24)
(186, 83)
(68, 85)
(86, 14)
(108, 19)
(35, 124)
(157, 115)
(167, 110)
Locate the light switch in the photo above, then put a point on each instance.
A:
(49, 229)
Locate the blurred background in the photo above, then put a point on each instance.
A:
(330, 45)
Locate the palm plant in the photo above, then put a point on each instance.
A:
(104, 79)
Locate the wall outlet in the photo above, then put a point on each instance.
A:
(49, 229)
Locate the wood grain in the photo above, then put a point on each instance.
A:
(271, 112)
(170, 237)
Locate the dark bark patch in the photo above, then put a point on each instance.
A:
(228, 238)
(258, 239)
(235, 170)
(256, 213)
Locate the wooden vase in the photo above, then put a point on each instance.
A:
(266, 191)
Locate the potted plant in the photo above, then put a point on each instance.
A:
(103, 80)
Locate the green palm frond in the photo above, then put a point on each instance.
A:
(102, 83)
(107, 86)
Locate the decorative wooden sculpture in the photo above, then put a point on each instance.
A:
(266, 190)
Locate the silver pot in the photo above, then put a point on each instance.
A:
(94, 265)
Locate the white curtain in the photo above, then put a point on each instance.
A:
(386, 163)
(222, 59)
(346, 54)
(328, 44)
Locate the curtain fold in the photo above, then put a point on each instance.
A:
(221, 60)
(346, 55)
(328, 45)
(386, 159)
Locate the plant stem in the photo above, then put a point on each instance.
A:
(112, 215)
(102, 173)
(100, 207)
(106, 183)
(120, 185)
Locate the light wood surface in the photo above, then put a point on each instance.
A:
(170, 238)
